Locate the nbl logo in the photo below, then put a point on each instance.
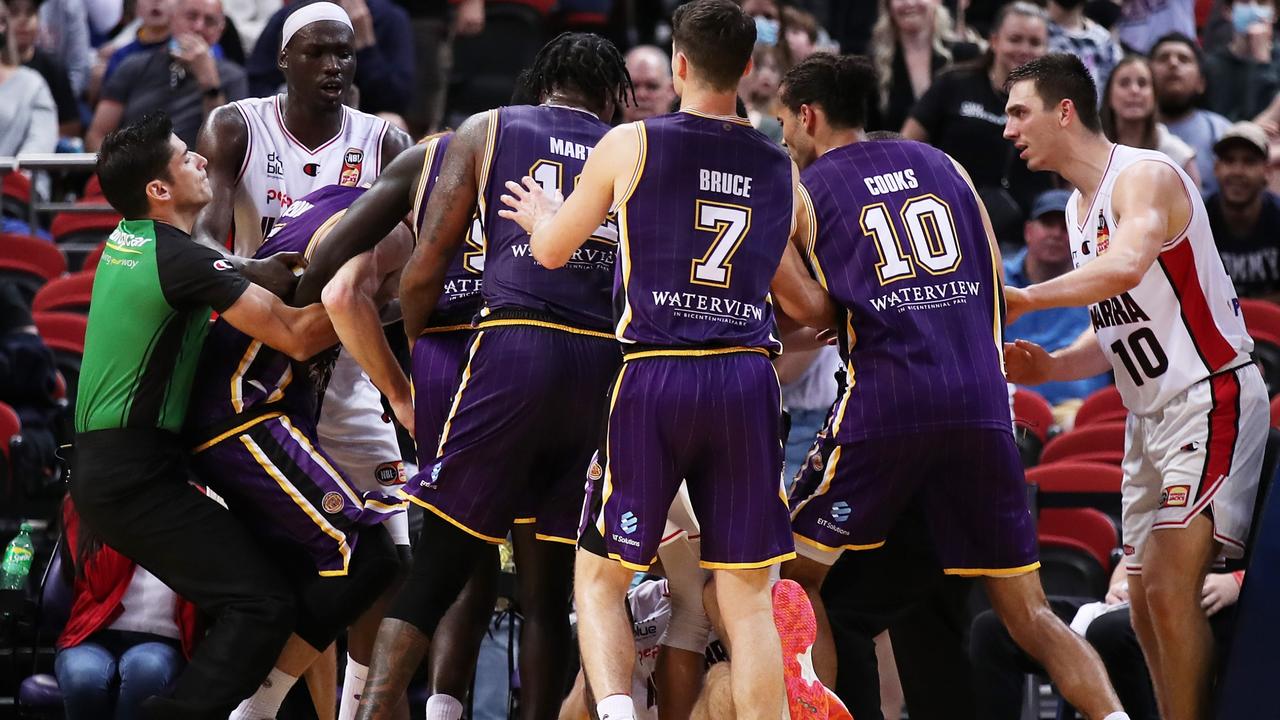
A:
(352, 162)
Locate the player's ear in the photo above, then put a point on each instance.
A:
(282, 61)
(751, 65)
(158, 190)
(1066, 109)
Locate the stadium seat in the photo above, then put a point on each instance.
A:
(64, 333)
(1104, 405)
(78, 233)
(15, 195)
(1078, 484)
(1261, 316)
(90, 263)
(1266, 351)
(69, 293)
(1104, 439)
(1076, 547)
(1032, 421)
(10, 431)
(39, 694)
(29, 262)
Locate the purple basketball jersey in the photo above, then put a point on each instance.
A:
(460, 300)
(702, 232)
(550, 143)
(901, 246)
(240, 374)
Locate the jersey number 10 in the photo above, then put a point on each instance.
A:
(930, 229)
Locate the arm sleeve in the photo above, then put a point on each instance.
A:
(192, 275)
(384, 71)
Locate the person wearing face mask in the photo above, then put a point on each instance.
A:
(1177, 74)
(962, 114)
(1242, 76)
(1071, 32)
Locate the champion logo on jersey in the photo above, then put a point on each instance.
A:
(352, 164)
(221, 264)
(312, 169)
(1104, 234)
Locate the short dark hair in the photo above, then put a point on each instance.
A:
(1060, 76)
(717, 37)
(1180, 39)
(130, 158)
(841, 84)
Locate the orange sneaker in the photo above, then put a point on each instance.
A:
(798, 629)
(835, 706)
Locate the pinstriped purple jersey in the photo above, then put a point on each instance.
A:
(550, 143)
(238, 373)
(900, 245)
(702, 234)
(460, 300)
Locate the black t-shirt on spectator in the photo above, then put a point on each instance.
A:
(424, 8)
(964, 116)
(901, 97)
(55, 75)
(1252, 261)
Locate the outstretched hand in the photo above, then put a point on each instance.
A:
(275, 273)
(530, 206)
(1026, 363)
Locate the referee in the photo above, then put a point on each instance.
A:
(153, 295)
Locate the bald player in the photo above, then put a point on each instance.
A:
(650, 69)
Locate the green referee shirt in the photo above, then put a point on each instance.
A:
(153, 294)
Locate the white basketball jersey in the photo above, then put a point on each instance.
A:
(1182, 322)
(277, 168)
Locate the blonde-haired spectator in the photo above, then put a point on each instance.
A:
(912, 41)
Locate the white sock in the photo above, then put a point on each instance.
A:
(616, 707)
(352, 688)
(443, 707)
(265, 703)
(1118, 715)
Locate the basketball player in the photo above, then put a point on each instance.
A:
(1166, 320)
(265, 152)
(923, 282)
(255, 443)
(705, 208)
(438, 356)
(522, 425)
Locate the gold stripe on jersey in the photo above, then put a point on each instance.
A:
(828, 475)
(322, 461)
(274, 473)
(811, 236)
(445, 516)
(608, 473)
(237, 377)
(850, 378)
(285, 378)
(748, 565)
(486, 324)
(322, 232)
(555, 539)
(841, 548)
(444, 329)
(420, 195)
(997, 317)
(457, 398)
(490, 146)
(624, 235)
(992, 572)
(727, 118)
(692, 352)
(234, 431)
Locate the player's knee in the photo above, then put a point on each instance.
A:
(1169, 596)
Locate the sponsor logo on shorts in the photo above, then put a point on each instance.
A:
(628, 522)
(332, 502)
(624, 540)
(435, 475)
(1175, 496)
(389, 473)
(832, 526)
(595, 472)
(840, 511)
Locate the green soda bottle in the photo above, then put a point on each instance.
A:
(17, 560)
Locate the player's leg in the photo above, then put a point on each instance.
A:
(976, 504)
(681, 657)
(604, 631)
(746, 610)
(456, 645)
(810, 574)
(544, 572)
(1071, 663)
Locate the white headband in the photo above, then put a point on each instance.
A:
(315, 12)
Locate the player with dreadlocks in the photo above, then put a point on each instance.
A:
(525, 418)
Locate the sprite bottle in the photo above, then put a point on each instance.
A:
(17, 560)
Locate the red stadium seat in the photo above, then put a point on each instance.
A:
(70, 293)
(1105, 438)
(91, 260)
(1262, 316)
(1032, 412)
(10, 428)
(1078, 483)
(62, 331)
(83, 226)
(1104, 405)
(1088, 528)
(31, 259)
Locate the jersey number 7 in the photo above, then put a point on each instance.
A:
(730, 224)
